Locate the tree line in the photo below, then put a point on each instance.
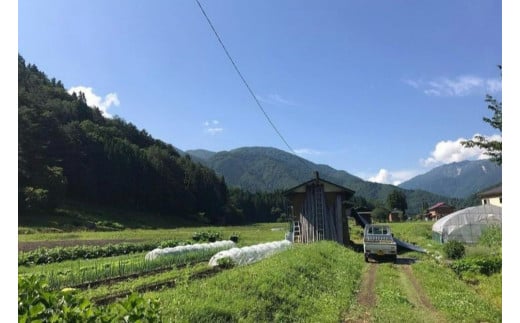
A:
(69, 151)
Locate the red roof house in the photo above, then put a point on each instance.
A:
(439, 210)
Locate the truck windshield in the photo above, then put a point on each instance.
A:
(378, 230)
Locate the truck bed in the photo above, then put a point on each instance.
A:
(379, 245)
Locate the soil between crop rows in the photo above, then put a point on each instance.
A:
(155, 286)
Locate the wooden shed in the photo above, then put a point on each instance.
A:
(318, 212)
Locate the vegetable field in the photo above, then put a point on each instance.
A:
(320, 282)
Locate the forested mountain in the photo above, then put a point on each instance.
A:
(201, 154)
(457, 179)
(68, 150)
(268, 169)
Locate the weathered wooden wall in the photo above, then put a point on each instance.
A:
(320, 215)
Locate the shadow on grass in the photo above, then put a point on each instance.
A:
(401, 260)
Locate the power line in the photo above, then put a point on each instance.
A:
(242, 78)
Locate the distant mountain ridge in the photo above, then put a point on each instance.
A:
(459, 179)
(269, 169)
(200, 153)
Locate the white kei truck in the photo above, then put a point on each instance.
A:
(378, 242)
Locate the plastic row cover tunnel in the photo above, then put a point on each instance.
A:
(189, 248)
(250, 254)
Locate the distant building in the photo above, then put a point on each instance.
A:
(492, 196)
(438, 211)
(318, 211)
(395, 215)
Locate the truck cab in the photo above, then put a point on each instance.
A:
(378, 242)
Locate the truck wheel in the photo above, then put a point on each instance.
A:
(366, 258)
(395, 259)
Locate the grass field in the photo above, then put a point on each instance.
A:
(312, 283)
(250, 234)
(320, 282)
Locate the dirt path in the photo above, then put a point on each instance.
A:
(366, 298)
(417, 296)
(367, 295)
(365, 309)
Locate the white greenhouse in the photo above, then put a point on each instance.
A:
(467, 225)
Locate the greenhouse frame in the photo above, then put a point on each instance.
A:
(467, 225)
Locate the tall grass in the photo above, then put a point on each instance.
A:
(452, 297)
(490, 288)
(307, 283)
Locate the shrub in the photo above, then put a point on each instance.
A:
(36, 198)
(234, 237)
(108, 226)
(491, 237)
(485, 265)
(209, 236)
(36, 302)
(454, 249)
(169, 244)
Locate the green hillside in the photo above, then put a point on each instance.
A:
(70, 151)
(269, 169)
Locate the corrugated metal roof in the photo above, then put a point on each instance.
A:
(437, 205)
(329, 187)
(495, 191)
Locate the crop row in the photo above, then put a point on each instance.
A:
(180, 275)
(58, 254)
(78, 275)
(158, 285)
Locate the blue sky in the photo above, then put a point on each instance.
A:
(351, 83)
(381, 89)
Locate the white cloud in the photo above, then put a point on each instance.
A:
(459, 86)
(275, 99)
(212, 128)
(93, 100)
(449, 151)
(382, 177)
(432, 92)
(392, 177)
(214, 131)
(307, 151)
(412, 83)
(494, 85)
